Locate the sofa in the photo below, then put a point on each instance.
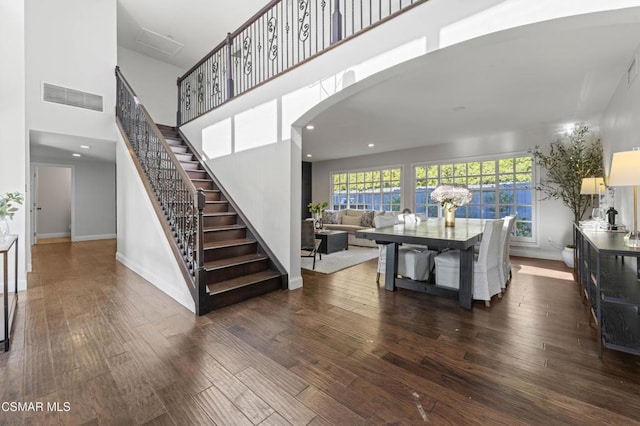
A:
(350, 220)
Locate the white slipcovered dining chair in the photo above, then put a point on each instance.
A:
(505, 240)
(414, 261)
(486, 266)
(382, 221)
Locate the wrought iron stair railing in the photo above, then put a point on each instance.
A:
(178, 203)
(278, 38)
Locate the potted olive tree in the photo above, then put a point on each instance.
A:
(571, 158)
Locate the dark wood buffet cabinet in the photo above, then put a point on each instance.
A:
(609, 273)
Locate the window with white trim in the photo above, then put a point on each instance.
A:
(378, 189)
(501, 186)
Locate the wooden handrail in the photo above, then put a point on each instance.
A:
(158, 134)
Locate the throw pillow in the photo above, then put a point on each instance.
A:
(351, 220)
(329, 217)
(367, 219)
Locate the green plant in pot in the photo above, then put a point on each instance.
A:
(571, 158)
(7, 210)
(316, 210)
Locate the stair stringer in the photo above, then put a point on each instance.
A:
(141, 243)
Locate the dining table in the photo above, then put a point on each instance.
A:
(434, 234)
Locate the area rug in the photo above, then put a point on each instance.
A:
(337, 261)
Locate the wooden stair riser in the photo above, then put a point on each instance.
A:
(212, 196)
(196, 174)
(184, 157)
(234, 296)
(202, 184)
(180, 149)
(223, 235)
(218, 207)
(235, 271)
(210, 221)
(218, 253)
(190, 165)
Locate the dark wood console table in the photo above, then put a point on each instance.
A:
(611, 287)
(10, 300)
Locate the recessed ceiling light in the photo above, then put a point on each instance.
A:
(310, 127)
(371, 145)
(76, 155)
(85, 147)
(309, 155)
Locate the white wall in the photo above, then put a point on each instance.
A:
(54, 201)
(13, 153)
(94, 197)
(619, 130)
(142, 245)
(553, 218)
(154, 82)
(71, 43)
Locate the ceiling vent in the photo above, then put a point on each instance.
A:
(158, 42)
(71, 97)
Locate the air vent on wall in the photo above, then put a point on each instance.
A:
(158, 42)
(71, 97)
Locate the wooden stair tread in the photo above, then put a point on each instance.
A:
(227, 243)
(240, 282)
(232, 261)
(223, 228)
(214, 214)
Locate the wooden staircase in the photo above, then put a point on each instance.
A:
(236, 267)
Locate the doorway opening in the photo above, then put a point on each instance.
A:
(52, 212)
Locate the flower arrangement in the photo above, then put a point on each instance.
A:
(451, 196)
(7, 204)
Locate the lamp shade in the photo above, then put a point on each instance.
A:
(591, 186)
(625, 168)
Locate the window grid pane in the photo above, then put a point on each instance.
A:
(500, 187)
(378, 189)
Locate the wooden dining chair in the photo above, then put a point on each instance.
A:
(308, 241)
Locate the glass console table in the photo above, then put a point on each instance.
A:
(10, 300)
(611, 286)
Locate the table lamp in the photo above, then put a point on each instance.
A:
(625, 171)
(591, 186)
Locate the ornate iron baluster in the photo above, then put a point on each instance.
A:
(303, 29)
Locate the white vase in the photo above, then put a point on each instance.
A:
(4, 228)
(568, 256)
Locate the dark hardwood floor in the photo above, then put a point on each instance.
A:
(342, 350)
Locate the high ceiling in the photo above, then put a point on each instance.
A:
(500, 86)
(197, 24)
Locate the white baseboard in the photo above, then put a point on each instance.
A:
(158, 282)
(94, 237)
(536, 253)
(55, 235)
(295, 283)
